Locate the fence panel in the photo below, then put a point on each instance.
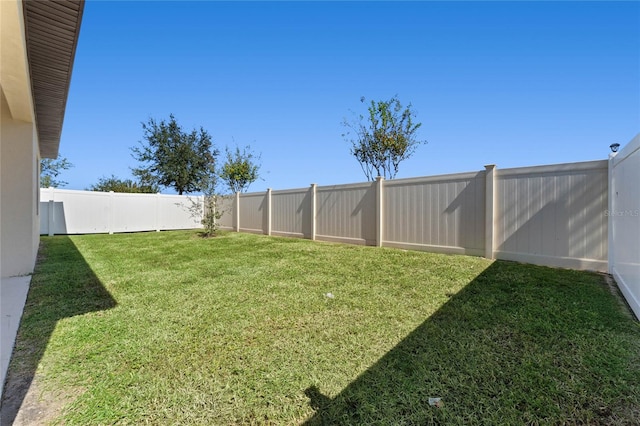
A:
(624, 217)
(133, 213)
(91, 212)
(226, 205)
(291, 212)
(438, 213)
(74, 212)
(346, 213)
(44, 218)
(553, 215)
(253, 212)
(179, 212)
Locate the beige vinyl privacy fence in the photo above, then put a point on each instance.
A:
(551, 215)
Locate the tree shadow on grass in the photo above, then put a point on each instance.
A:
(520, 344)
(63, 285)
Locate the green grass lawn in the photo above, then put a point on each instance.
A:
(171, 328)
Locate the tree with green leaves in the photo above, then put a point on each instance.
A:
(115, 184)
(174, 158)
(240, 169)
(385, 138)
(211, 210)
(50, 169)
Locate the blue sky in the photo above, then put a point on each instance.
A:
(506, 83)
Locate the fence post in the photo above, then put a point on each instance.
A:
(51, 221)
(611, 256)
(158, 212)
(268, 211)
(237, 209)
(110, 225)
(490, 176)
(201, 200)
(313, 210)
(379, 211)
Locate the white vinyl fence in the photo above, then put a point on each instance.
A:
(624, 220)
(550, 215)
(65, 211)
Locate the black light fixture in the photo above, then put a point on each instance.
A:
(614, 147)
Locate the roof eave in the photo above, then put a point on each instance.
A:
(52, 29)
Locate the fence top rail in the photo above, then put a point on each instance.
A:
(628, 150)
(253, 194)
(136, 194)
(52, 193)
(72, 191)
(358, 185)
(176, 196)
(436, 178)
(554, 168)
(289, 191)
(124, 194)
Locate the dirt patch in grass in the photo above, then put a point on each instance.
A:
(39, 406)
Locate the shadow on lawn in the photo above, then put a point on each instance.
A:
(62, 286)
(499, 351)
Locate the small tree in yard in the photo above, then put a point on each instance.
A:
(174, 158)
(240, 169)
(385, 138)
(208, 208)
(211, 211)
